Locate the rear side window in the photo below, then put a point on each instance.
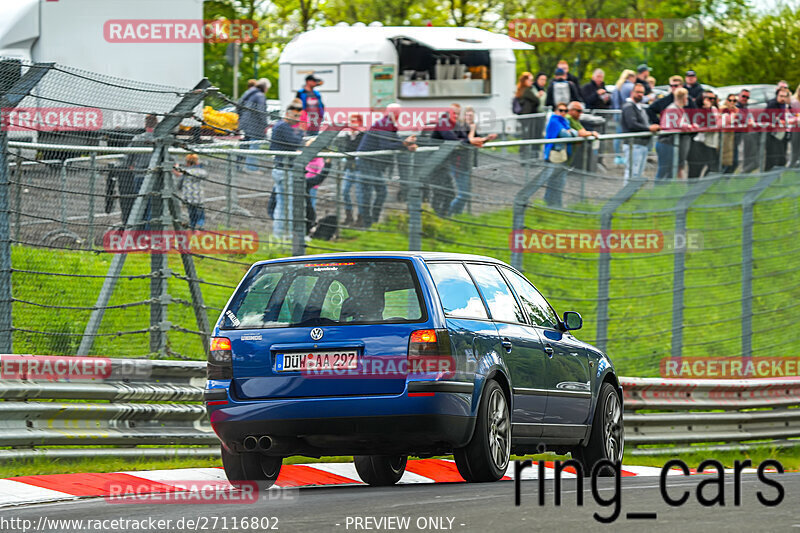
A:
(326, 293)
(498, 296)
(459, 296)
(536, 306)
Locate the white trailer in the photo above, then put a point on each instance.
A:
(371, 66)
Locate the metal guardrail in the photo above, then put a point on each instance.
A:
(710, 414)
(150, 402)
(123, 403)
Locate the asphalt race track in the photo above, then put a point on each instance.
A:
(445, 507)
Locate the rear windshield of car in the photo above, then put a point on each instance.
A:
(326, 293)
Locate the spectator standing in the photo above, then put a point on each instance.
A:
(694, 87)
(382, 135)
(563, 64)
(348, 142)
(190, 183)
(557, 155)
(312, 103)
(561, 90)
(136, 167)
(462, 176)
(540, 88)
(634, 120)
(777, 141)
(622, 92)
(444, 184)
(704, 150)
(574, 111)
(253, 118)
(594, 92)
(668, 112)
(642, 73)
(528, 102)
(286, 136)
(728, 113)
(749, 140)
(794, 105)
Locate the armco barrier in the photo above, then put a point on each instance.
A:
(710, 414)
(116, 408)
(140, 402)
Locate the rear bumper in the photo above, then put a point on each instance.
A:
(434, 418)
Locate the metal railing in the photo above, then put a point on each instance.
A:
(137, 402)
(156, 403)
(710, 414)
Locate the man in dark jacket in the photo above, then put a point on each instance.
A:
(594, 93)
(253, 118)
(665, 144)
(564, 65)
(561, 90)
(286, 137)
(694, 87)
(382, 135)
(777, 136)
(634, 119)
(642, 72)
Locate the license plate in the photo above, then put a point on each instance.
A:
(299, 361)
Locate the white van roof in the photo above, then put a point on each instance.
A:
(341, 43)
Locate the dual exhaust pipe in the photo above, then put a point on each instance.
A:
(252, 443)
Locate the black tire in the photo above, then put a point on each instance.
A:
(607, 439)
(251, 466)
(380, 470)
(486, 456)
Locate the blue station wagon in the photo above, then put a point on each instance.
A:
(385, 355)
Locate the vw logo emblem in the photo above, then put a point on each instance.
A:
(316, 334)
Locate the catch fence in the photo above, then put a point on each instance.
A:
(723, 280)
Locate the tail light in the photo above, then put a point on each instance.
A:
(429, 351)
(220, 365)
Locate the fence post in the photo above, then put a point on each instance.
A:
(521, 204)
(424, 166)
(297, 189)
(18, 195)
(11, 99)
(604, 262)
(679, 261)
(159, 265)
(182, 109)
(762, 151)
(414, 199)
(92, 184)
(228, 191)
(747, 259)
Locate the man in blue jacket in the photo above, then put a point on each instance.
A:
(312, 103)
(371, 170)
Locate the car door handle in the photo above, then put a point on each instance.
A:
(548, 350)
(507, 345)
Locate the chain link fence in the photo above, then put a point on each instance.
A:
(723, 278)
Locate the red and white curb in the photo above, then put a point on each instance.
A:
(60, 487)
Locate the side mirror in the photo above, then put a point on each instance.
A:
(572, 320)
